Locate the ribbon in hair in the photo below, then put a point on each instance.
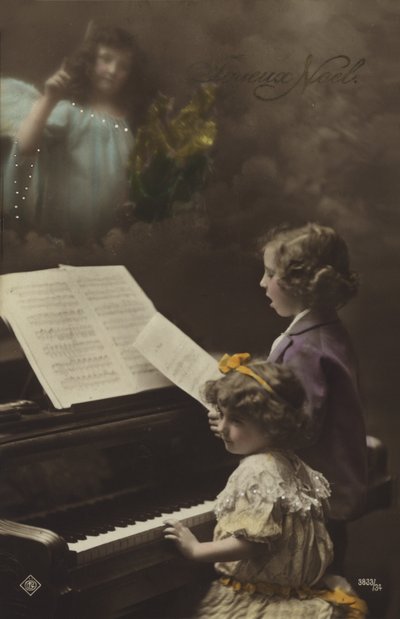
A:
(238, 363)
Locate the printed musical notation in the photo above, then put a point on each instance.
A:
(76, 326)
(177, 356)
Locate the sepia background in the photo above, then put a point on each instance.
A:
(321, 151)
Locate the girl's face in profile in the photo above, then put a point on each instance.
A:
(111, 70)
(241, 435)
(284, 304)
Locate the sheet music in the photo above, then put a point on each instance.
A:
(174, 354)
(75, 326)
(123, 309)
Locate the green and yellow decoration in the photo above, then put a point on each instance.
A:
(171, 158)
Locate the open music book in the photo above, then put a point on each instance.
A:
(76, 326)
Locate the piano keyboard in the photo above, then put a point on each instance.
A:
(121, 538)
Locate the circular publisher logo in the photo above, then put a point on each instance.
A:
(30, 585)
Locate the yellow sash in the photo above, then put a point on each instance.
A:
(356, 608)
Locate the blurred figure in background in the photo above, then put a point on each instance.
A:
(67, 172)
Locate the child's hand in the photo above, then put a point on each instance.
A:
(213, 421)
(183, 538)
(56, 86)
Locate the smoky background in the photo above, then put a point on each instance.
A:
(326, 153)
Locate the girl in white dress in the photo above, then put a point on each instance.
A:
(270, 545)
(67, 173)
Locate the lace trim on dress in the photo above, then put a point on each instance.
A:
(259, 482)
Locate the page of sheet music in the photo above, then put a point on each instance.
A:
(173, 353)
(123, 309)
(68, 337)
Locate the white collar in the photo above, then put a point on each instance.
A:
(297, 318)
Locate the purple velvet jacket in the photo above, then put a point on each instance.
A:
(318, 349)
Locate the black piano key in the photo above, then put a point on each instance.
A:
(72, 539)
(125, 522)
(79, 536)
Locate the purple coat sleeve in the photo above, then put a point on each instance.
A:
(307, 364)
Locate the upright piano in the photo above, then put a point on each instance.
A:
(84, 494)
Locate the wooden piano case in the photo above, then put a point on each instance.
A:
(61, 471)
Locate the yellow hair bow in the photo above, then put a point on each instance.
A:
(237, 362)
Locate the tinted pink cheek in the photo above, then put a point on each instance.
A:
(100, 67)
(273, 287)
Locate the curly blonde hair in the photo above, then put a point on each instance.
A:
(312, 263)
(280, 414)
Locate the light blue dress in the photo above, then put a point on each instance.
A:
(77, 180)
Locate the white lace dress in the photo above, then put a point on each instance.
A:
(276, 500)
(79, 176)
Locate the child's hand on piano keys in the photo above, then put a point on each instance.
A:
(182, 536)
(213, 421)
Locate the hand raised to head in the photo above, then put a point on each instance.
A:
(213, 421)
(56, 86)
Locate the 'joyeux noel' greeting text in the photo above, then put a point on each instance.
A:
(272, 85)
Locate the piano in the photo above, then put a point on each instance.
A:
(84, 494)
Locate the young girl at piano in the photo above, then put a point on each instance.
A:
(270, 545)
(307, 277)
(67, 172)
